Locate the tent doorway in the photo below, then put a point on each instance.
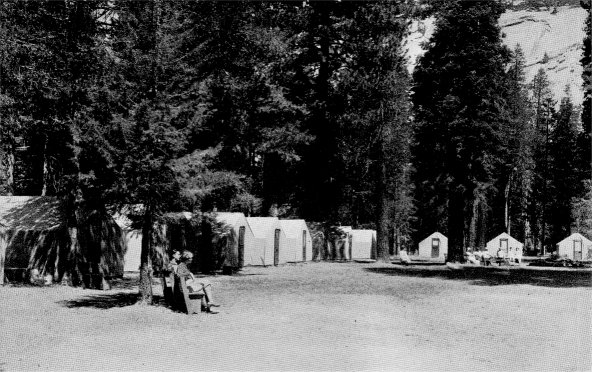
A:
(504, 245)
(241, 246)
(435, 247)
(276, 247)
(577, 250)
(303, 245)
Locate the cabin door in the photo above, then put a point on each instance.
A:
(303, 245)
(504, 245)
(241, 246)
(435, 247)
(577, 250)
(276, 247)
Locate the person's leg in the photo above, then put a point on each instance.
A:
(207, 289)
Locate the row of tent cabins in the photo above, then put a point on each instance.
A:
(575, 247)
(269, 241)
(36, 242)
(265, 241)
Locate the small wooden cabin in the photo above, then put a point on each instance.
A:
(434, 246)
(575, 247)
(503, 241)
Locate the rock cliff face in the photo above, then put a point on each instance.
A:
(550, 39)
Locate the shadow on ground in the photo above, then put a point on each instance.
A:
(108, 300)
(492, 276)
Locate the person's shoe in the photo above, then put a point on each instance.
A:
(211, 304)
(210, 311)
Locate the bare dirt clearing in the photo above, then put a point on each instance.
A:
(314, 317)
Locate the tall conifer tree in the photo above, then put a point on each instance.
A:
(459, 99)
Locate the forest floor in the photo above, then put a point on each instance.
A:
(313, 317)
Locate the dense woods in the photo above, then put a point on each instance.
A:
(299, 109)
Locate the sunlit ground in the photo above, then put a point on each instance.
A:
(314, 317)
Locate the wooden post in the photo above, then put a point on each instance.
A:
(3, 244)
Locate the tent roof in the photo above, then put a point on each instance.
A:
(504, 236)
(363, 234)
(293, 228)
(230, 218)
(576, 236)
(435, 234)
(261, 226)
(31, 212)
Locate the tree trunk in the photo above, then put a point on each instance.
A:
(145, 285)
(455, 225)
(383, 215)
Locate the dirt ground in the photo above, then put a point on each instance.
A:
(313, 317)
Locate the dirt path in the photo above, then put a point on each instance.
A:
(313, 317)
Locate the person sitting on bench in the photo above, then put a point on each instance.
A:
(471, 257)
(501, 257)
(405, 260)
(174, 261)
(199, 285)
(485, 257)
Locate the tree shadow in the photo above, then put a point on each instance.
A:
(493, 276)
(105, 301)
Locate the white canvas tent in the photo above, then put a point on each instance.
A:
(244, 246)
(434, 246)
(575, 247)
(133, 236)
(503, 241)
(298, 245)
(363, 244)
(269, 238)
(133, 242)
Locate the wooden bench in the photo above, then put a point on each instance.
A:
(186, 301)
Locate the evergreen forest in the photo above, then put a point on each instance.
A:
(294, 109)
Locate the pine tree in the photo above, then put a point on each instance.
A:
(459, 107)
(544, 108)
(585, 138)
(564, 184)
(150, 139)
(375, 85)
(521, 137)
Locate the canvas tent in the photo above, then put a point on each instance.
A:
(575, 247)
(434, 246)
(363, 244)
(34, 236)
(269, 238)
(133, 242)
(298, 245)
(503, 241)
(174, 225)
(243, 245)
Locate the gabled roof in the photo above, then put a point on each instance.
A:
(31, 213)
(262, 226)
(230, 218)
(363, 235)
(435, 235)
(293, 228)
(505, 236)
(576, 236)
